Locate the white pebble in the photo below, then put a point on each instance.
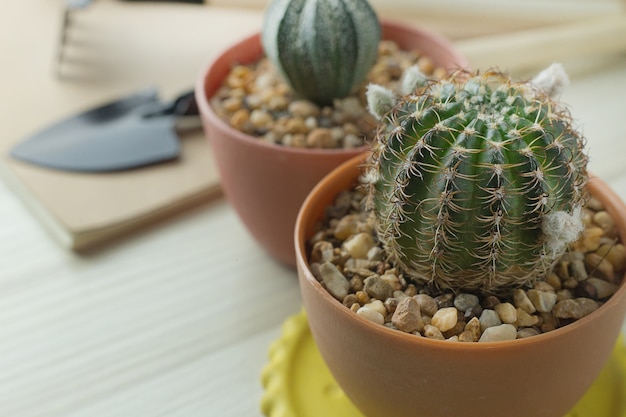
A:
(310, 122)
(433, 332)
(336, 283)
(371, 314)
(304, 109)
(506, 312)
(499, 333)
(378, 305)
(445, 319)
(464, 301)
(489, 318)
(261, 119)
(359, 245)
(352, 141)
(520, 299)
(543, 301)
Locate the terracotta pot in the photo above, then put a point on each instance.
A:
(387, 373)
(266, 183)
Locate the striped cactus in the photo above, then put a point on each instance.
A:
(477, 182)
(323, 48)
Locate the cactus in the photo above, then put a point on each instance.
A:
(477, 182)
(323, 48)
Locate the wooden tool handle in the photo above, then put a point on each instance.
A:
(519, 51)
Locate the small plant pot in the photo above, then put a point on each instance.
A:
(267, 183)
(387, 373)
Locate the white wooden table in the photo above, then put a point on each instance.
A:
(176, 321)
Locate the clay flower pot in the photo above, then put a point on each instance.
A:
(387, 373)
(267, 183)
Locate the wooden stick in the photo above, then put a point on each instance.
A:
(519, 51)
(530, 10)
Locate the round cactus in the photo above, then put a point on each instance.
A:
(477, 182)
(323, 48)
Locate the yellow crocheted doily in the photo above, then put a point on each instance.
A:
(297, 382)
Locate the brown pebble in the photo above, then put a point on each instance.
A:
(574, 309)
(526, 319)
(586, 290)
(303, 109)
(527, 332)
(377, 288)
(296, 125)
(594, 204)
(549, 322)
(232, 104)
(554, 281)
(520, 300)
(322, 251)
(466, 337)
(392, 279)
(433, 332)
(239, 120)
(604, 220)
(590, 240)
(407, 316)
(472, 312)
(458, 328)
(564, 294)
(445, 300)
(570, 283)
(490, 302)
(411, 290)
(391, 304)
(356, 283)
(577, 270)
(473, 328)
(615, 254)
(603, 289)
(362, 297)
(239, 76)
(347, 226)
(428, 305)
(349, 300)
(599, 266)
(320, 138)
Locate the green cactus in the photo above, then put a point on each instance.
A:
(323, 48)
(477, 182)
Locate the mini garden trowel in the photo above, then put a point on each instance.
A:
(129, 133)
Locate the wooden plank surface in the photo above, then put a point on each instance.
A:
(176, 320)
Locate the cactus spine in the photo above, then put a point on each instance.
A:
(477, 182)
(323, 48)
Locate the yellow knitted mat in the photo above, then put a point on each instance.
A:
(297, 382)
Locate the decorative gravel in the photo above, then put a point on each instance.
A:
(255, 100)
(348, 260)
